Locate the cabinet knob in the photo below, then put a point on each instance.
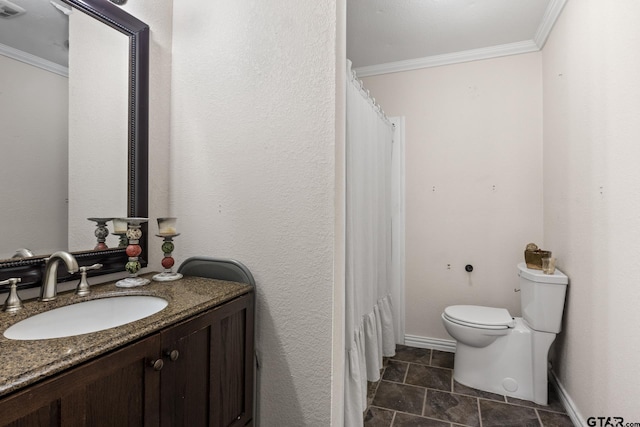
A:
(156, 364)
(173, 355)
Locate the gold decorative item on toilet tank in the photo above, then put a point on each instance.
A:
(533, 256)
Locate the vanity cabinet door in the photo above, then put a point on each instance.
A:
(233, 363)
(186, 378)
(118, 389)
(207, 379)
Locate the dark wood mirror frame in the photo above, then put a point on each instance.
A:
(30, 270)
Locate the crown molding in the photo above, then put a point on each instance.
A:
(537, 43)
(551, 15)
(517, 48)
(36, 61)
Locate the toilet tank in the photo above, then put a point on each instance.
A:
(542, 298)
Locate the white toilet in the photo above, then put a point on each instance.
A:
(501, 354)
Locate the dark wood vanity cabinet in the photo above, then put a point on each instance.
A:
(196, 373)
(207, 377)
(116, 389)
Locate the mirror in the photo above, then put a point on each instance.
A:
(34, 58)
(91, 145)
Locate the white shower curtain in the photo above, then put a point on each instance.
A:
(369, 322)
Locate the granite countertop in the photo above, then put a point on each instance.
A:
(26, 362)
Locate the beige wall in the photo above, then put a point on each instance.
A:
(473, 181)
(253, 177)
(592, 200)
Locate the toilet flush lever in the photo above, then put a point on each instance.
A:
(516, 290)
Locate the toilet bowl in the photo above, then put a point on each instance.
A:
(498, 353)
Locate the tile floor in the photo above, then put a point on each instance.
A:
(417, 389)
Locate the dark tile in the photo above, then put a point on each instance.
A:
(554, 405)
(503, 414)
(412, 354)
(399, 397)
(463, 389)
(371, 391)
(377, 417)
(442, 359)
(395, 371)
(427, 376)
(554, 419)
(406, 420)
(452, 407)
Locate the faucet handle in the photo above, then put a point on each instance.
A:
(83, 287)
(23, 253)
(91, 267)
(13, 302)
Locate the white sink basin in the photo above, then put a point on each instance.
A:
(86, 317)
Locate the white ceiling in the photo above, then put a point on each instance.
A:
(397, 35)
(382, 35)
(42, 32)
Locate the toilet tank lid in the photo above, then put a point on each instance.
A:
(480, 315)
(558, 278)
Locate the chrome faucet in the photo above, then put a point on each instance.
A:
(49, 290)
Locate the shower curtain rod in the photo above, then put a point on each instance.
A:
(365, 93)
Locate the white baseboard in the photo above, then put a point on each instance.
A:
(567, 402)
(432, 343)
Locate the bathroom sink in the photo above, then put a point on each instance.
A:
(86, 317)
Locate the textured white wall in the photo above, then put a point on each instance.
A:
(253, 177)
(33, 172)
(469, 127)
(592, 199)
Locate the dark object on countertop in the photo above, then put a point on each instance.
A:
(217, 268)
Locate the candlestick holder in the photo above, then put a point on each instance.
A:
(101, 232)
(167, 262)
(134, 233)
(167, 230)
(120, 230)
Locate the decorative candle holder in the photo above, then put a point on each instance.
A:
(167, 230)
(101, 232)
(120, 229)
(134, 233)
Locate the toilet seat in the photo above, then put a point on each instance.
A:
(480, 317)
